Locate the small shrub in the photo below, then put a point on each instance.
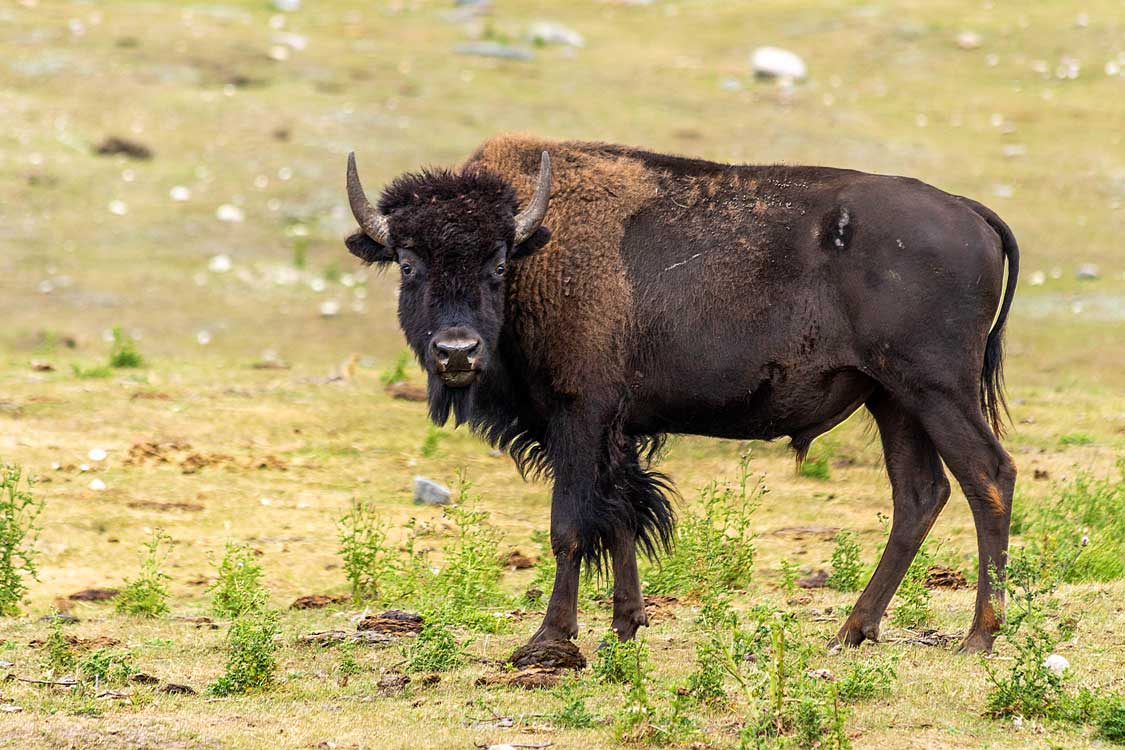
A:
(618, 661)
(363, 549)
(430, 444)
(19, 511)
(470, 580)
(238, 586)
(1111, 722)
(123, 352)
(60, 657)
(847, 569)
(815, 468)
(1029, 689)
(251, 654)
(1075, 438)
(348, 666)
(397, 373)
(147, 594)
(572, 712)
(790, 573)
(434, 650)
(106, 665)
(913, 610)
(867, 680)
(713, 548)
(1087, 511)
(91, 373)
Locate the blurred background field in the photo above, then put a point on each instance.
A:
(211, 234)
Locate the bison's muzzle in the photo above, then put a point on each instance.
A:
(455, 353)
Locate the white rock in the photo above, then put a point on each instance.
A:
(774, 62)
(968, 40)
(296, 42)
(97, 485)
(203, 337)
(287, 6)
(1056, 664)
(180, 193)
(96, 454)
(231, 213)
(549, 32)
(118, 208)
(1038, 278)
(429, 492)
(1088, 272)
(329, 308)
(220, 263)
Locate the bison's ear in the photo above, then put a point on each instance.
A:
(537, 240)
(367, 249)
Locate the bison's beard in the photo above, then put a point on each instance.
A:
(444, 399)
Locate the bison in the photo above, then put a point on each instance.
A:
(573, 303)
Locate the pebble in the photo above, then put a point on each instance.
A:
(774, 62)
(219, 264)
(329, 308)
(230, 213)
(1088, 272)
(118, 208)
(97, 454)
(968, 40)
(429, 492)
(180, 193)
(287, 6)
(1038, 278)
(97, 485)
(1056, 664)
(549, 32)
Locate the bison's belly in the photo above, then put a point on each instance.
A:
(797, 404)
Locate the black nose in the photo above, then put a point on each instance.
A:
(456, 350)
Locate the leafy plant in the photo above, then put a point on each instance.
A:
(847, 568)
(348, 666)
(815, 468)
(867, 679)
(60, 654)
(434, 650)
(790, 573)
(363, 549)
(19, 511)
(618, 661)
(91, 373)
(913, 610)
(1031, 687)
(572, 712)
(713, 548)
(430, 444)
(106, 665)
(251, 654)
(238, 587)
(397, 373)
(147, 594)
(1087, 511)
(123, 352)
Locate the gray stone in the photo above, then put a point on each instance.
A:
(494, 49)
(549, 32)
(1088, 272)
(429, 492)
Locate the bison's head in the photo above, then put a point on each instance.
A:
(453, 236)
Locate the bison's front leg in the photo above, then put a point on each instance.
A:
(628, 602)
(561, 621)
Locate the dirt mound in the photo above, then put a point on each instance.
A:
(317, 601)
(115, 145)
(392, 622)
(407, 392)
(941, 577)
(550, 654)
(518, 561)
(93, 595)
(156, 452)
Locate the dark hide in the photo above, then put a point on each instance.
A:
(670, 295)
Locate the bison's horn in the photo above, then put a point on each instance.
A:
(531, 217)
(373, 223)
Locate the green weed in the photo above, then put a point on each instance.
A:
(106, 665)
(147, 594)
(19, 512)
(60, 657)
(123, 352)
(363, 550)
(572, 712)
(815, 468)
(91, 373)
(430, 444)
(238, 586)
(434, 650)
(397, 373)
(715, 547)
(847, 568)
(251, 654)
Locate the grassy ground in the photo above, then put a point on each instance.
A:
(90, 242)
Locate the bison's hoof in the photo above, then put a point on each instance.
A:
(979, 642)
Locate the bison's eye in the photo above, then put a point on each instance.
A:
(500, 269)
(407, 269)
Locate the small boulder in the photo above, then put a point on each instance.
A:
(774, 62)
(817, 580)
(429, 492)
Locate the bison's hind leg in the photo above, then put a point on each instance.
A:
(919, 490)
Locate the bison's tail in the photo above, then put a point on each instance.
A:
(992, 399)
